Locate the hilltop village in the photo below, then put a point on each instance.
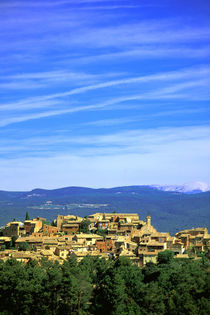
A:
(108, 235)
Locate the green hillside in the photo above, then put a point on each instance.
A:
(170, 211)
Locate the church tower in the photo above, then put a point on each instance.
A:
(148, 220)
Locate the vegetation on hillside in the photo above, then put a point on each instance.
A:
(99, 286)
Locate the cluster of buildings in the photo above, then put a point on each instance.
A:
(107, 235)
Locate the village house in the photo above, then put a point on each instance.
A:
(32, 226)
(80, 255)
(35, 243)
(62, 251)
(193, 232)
(5, 241)
(88, 239)
(102, 224)
(175, 245)
(130, 255)
(71, 223)
(206, 242)
(120, 243)
(124, 236)
(50, 243)
(182, 256)
(195, 239)
(80, 247)
(49, 230)
(23, 256)
(125, 228)
(14, 228)
(153, 246)
(101, 246)
(147, 257)
(71, 227)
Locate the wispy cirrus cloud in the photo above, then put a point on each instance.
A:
(60, 75)
(39, 3)
(124, 140)
(109, 7)
(89, 35)
(142, 117)
(144, 33)
(103, 87)
(62, 106)
(43, 79)
(97, 107)
(89, 4)
(148, 52)
(201, 73)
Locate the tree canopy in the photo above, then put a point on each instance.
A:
(23, 246)
(27, 216)
(99, 286)
(84, 226)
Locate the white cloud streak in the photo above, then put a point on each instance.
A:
(165, 93)
(59, 75)
(47, 79)
(145, 33)
(167, 76)
(126, 120)
(66, 40)
(148, 52)
(129, 141)
(22, 118)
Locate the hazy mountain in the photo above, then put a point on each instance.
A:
(192, 188)
(170, 210)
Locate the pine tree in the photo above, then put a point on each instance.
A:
(27, 216)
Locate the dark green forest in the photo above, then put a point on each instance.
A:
(99, 286)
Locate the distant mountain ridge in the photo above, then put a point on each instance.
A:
(188, 188)
(172, 208)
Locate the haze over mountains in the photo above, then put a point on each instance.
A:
(172, 208)
(189, 188)
(192, 188)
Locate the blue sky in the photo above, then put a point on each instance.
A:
(104, 93)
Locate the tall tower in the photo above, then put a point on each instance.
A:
(59, 221)
(148, 220)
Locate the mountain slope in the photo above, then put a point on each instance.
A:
(189, 188)
(170, 211)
